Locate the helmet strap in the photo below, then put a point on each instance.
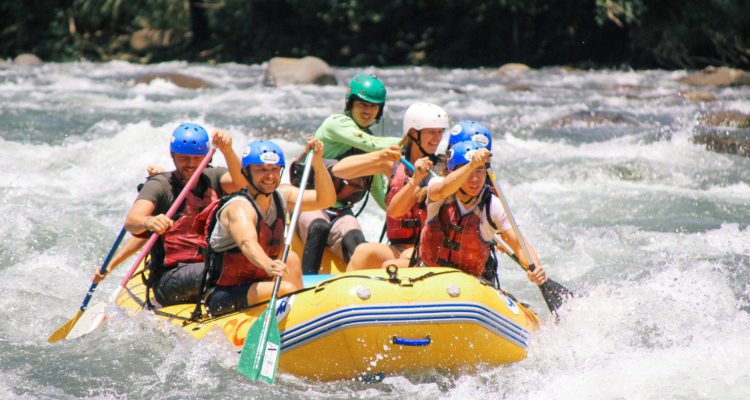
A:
(418, 142)
(260, 192)
(249, 176)
(180, 177)
(466, 194)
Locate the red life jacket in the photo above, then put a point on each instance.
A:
(453, 240)
(231, 267)
(406, 228)
(180, 241)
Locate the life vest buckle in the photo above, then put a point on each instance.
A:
(411, 223)
(457, 228)
(454, 246)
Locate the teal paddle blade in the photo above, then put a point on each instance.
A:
(272, 351)
(260, 353)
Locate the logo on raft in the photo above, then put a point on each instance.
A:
(232, 328)
(283, 307)
(510, 303)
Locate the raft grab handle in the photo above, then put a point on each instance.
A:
(412, 342)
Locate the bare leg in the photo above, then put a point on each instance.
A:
(290, 282)
(294, 273)
(402, 261)
(407, 253)
(398, 262)
(371, 255)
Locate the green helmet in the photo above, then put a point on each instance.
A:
(366, 87)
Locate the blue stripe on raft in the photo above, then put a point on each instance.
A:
(312, 280)
(354, 321)
(402, 309)
(404, 314)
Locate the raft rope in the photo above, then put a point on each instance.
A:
(392, 278)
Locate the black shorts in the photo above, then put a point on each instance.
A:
(226, 299)
(180, 285)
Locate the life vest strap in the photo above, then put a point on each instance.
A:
(411, 223)
(446, 263)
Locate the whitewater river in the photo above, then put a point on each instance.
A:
(648, 228)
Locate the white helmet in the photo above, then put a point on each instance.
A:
(425, 115)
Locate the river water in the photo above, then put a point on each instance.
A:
(648, 228)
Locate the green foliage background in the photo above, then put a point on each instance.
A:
(447, 33)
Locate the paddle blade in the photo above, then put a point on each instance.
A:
(260, 353)
(271, 355)
(92, 319)
(62, 332)
(554, 294)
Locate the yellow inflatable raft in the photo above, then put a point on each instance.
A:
(377, 322)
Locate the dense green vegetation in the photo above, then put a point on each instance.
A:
(446, 33)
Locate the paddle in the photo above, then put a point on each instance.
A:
(260, 353)
(554, 293)
(98, 320)
(62, 332)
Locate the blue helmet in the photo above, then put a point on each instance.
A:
(260, 152)
(467, 130)
(461, 153)
(189, 139)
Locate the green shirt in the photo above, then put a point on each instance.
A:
(339, 133)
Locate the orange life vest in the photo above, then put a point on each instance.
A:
(454, 240)
(406, 228)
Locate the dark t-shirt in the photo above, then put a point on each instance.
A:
(160, 189)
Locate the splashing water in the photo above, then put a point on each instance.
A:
(650, 229)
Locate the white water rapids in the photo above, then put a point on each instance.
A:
(648, 228)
